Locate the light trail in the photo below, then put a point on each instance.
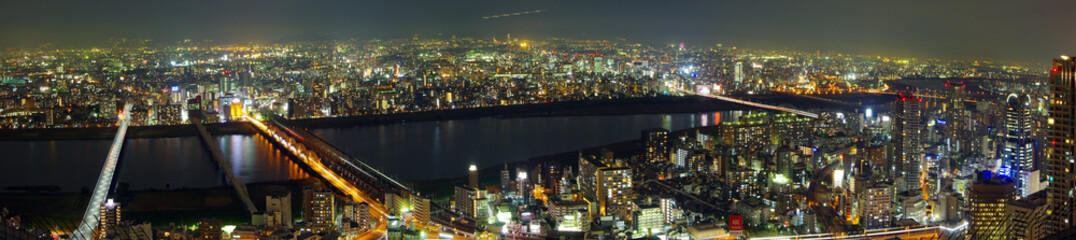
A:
(513, 14)
(314, 162)
(92, 217)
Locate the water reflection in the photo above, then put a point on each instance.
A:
(440, 149)
(146, 163)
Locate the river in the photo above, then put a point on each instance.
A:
(407, 151)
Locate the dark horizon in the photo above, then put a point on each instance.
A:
(1004, 31)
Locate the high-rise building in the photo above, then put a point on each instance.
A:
(614, 192)
(738, 74)
(363, 216)
(111, 215)
(1018, 145)
(278, 209)
(989, 195)
(669, 209)
(465, 201)
(1059, 167)
(1026, 217)
(908, 134)
(656, 144)
(506, 179)
(421, 211)
(956, 117)
(877, 202)
(322, 210)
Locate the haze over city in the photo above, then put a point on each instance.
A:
(482, 120)
(1012, 31)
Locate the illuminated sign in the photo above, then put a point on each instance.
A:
(736, 223)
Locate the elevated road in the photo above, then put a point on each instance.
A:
(335, 168)
(226, 167)
(92, 217)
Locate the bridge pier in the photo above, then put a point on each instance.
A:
(225, 167)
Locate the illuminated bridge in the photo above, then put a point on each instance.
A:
(749, 103)
(350, 176)
(921, 232)
(91, 218)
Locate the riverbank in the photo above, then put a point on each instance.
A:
(36, 134)
(623, 106)
(183, 207)
(441, 189)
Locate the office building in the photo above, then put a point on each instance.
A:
(1017, 153)
(988, 196)
(1026, 217)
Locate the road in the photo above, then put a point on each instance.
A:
(819, 194)
(314, 162)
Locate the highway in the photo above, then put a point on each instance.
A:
(92, 217)
(314, 162)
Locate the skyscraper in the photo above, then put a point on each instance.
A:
(656, 144)
(1059, 156)
(1018, 144)
(956, 117)
(738, 77)
(989, 195)
(908, 134)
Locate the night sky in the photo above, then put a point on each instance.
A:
(1002, 30)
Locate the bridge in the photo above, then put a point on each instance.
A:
(225, 166)
(353, 178)
(92, 217)
(922, 232)
(748, 103)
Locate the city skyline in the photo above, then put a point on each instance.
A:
(485, 120)
(925, 29)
